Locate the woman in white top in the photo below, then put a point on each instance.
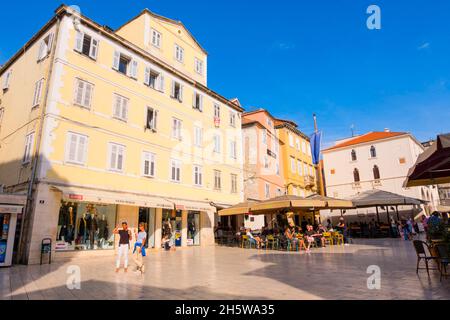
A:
(139, 248)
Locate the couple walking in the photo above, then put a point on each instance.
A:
(125, 237)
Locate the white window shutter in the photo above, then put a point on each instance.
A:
(79, 41)
(94, 49)
(134, 69)
(50, 42)
(81, 149)
(193, 100)
(6, 78)
(201, 103)
(116, 60)
(87, 95)
(161, 82)
(172, 94)
(117, 106)
(147, 76)
(42, 51)
(181, 93)
(155, 120)
(72, 147)
(124, 109)
(79, 92)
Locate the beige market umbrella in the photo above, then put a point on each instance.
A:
(288, 202)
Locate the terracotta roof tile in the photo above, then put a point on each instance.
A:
(368, 137)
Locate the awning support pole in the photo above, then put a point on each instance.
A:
(398, 215)
(378, 215)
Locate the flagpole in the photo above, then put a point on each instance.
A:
(318, 167)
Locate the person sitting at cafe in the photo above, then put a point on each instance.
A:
(309, 233)
(253, 239)
(320, 231)
(289, 233)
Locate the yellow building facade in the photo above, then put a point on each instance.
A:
(110, 126)
(299, 172)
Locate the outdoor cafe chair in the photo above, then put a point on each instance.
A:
(443, 259)
(338, 238)
(272, 242)
(328, 238)
(423, 253)
(292, 245)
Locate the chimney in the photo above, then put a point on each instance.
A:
(387, 130)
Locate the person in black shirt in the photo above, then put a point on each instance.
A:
(124, 245)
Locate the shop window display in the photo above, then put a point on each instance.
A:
(4, 231)
(193, 228)
(85, 226)
(172, 223)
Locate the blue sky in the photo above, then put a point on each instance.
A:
(300, 57)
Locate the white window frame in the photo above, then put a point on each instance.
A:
(177, 126)
(297, 144)
(216, 111)
(83, 97)
(199, 66)
(198, 136)
(267, 191)
(180, 92)
(293, 165)
(217, 180)
(179, 53)
(45, 47)
(198, 175)
(303, 146)
(78, 150)
(159, 84)
(233, 119)
(264, 136)
(300, 167)
(233, 149)
(149, 157)
(156, 40)
(29, 146)
(234, 183)
(37, 93)
(120, 150)
(121, 106)
(217, 144)
(175, 164)
(291, 140)
(7, 80)
(198, 106)
(266, 162)
(152, 125)
(93, 46)
(132, 66)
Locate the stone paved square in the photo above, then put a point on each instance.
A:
(337, 272)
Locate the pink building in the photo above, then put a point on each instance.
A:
(263, 167)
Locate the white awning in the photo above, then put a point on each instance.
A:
(111, 197)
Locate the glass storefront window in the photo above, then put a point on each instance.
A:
(171, 227)
(147, 216)
(85, 226)
(4, 231)
(193, 225)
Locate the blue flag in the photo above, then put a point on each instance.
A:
(316, 140)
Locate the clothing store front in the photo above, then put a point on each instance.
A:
(193, 223)
(86, 226)
(87, 218)
(172, 225)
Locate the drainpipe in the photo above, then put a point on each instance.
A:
(28, 211)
